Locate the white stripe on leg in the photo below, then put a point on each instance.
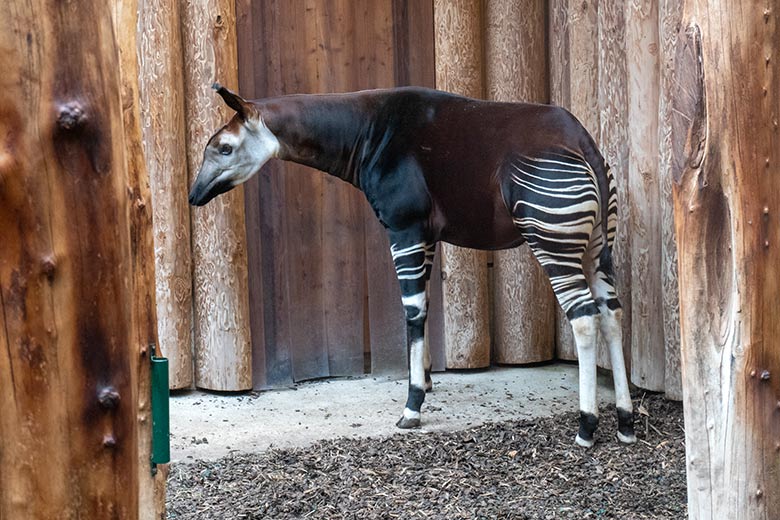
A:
(584, 329)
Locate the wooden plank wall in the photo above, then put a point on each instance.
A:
(322, 283)
(313, 242)
(606, 67)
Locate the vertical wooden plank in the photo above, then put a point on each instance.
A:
(647, 341)
(459, 69)
(68, 431)
(344, 208)
(223, 356)
(162, 111)
(151, 488)
(516, 70)
(266, 191)
(670, 18)
(726, 165)
(303, 190)
(249, 42)
(412, 58)
(574, 85)
(613, 139)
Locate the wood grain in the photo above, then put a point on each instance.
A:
(613, 140)
(647, 318)
(725, 165)
(68, 340)
(151, 488)
(223, 356)
(459, 69)
(574, 85)
(670, 18)
(161, 88)
(516, 70)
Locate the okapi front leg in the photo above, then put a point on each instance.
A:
(413, 260)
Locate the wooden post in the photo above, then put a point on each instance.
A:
(152, 487)
(464, 272)
(726, 169)
(162, 113)
(670, 16)
(223, 355)
(574, 60)
(647, 318)
(516, 70)
(613, 141)
(70, 315)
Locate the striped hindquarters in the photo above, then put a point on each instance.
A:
(555, 202)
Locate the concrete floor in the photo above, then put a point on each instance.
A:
(210, 425)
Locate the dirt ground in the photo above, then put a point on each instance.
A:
(527, 467)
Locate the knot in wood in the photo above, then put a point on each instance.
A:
(48, 266)
(71, 115)
(109, 441)
(108, 398)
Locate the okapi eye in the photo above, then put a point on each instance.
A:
(225, 149)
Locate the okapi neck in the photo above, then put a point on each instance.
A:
(326, 132)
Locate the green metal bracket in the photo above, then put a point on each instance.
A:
(161, 423)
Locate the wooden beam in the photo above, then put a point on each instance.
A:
(574, 60)
(459, 69)
(726, 164)
(223, 354)
(647, 318)
(670, 17)
(613, 141)
(162, 112)
(69, 319)
(524, 307)
(152, 487)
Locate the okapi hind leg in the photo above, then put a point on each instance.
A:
(413, 259)
(602, 285)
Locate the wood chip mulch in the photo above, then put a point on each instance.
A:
(525, 469)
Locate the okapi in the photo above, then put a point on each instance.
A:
(440, 167)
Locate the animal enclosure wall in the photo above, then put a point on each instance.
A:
(319, 296)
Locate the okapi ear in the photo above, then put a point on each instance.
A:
(234, 101)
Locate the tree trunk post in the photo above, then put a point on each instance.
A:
(223, 354)
(726, 162)
(524, 306)
(465, 298)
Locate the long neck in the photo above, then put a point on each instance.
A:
(327, 132)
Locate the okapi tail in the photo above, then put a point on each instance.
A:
(608, 193)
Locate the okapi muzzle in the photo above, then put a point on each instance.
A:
(235, 153)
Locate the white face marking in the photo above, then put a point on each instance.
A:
(236, 153)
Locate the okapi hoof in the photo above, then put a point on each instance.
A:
(584, 443)
(408, 424)
(588, 424)
(625, 432)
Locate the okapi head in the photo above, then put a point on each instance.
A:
(235, 153)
